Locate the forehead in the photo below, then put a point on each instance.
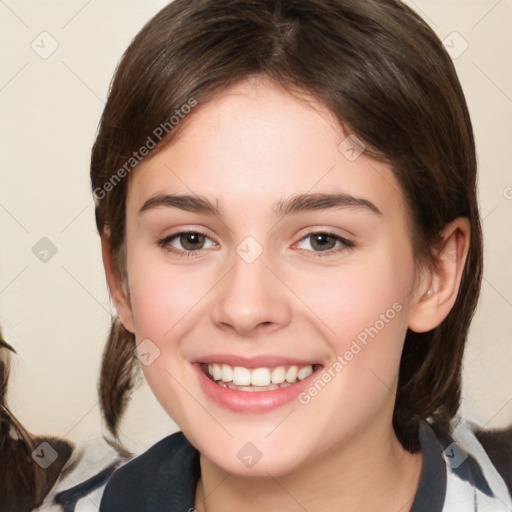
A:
(255, 144)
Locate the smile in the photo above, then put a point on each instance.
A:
(240, 378)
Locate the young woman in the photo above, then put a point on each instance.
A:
(286, 201)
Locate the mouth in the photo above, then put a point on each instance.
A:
(239, 378)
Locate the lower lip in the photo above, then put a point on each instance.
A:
(251, 401)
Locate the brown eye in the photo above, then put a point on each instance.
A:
(186, 242)
(192, 241)
(322, 242)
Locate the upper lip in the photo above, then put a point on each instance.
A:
(261, 361)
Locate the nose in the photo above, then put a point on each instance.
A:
(251, 300)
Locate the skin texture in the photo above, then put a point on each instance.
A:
(249, 148)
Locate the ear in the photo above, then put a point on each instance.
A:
(117, 286)
(435, 295)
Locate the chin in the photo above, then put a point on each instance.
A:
(258, 458)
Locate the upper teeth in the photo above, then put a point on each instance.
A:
(241, 376)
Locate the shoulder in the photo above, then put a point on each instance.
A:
(88, 471)
(170, 468)
(472, 479)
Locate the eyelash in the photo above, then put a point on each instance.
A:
(345, 244)
(165, 243)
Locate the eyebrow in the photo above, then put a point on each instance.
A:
(190, 203)
(311, 202)
(295, 204)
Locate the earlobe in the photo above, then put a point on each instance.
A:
(435, 295)
(116, 285)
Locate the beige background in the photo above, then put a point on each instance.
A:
(56, 313)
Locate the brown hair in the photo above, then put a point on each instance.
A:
(23, 483)
(381, 71)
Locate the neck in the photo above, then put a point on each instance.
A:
(373, 473)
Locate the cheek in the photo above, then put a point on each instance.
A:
(164, 301)
(363, 311)
(365, 325)
(162, 296)
(359, 300)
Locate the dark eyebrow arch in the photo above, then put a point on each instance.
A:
(191, 203)
(309, 202)
(294, 204)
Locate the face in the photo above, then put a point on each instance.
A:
(271, 276)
